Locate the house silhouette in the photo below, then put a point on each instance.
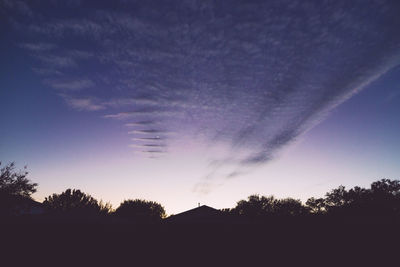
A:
(201, 214)
(27, 206)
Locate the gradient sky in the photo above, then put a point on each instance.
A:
(200, 101)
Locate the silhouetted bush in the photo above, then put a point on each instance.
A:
(15, 190)
(75, 202)
(141, 210)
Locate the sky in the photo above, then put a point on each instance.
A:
(187, 102)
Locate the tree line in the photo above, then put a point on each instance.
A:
(381, 199)
(16, 190)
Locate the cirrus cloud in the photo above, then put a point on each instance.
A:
(252, 75)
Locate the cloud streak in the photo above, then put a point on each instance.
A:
(252, 75)
(69, 84)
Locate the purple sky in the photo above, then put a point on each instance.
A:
(200, 101)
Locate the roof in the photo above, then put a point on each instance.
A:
(200, 214)
(29, 206)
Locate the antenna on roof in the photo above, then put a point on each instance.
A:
(199, 204)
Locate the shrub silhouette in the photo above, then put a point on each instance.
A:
(15, 189)
(75, 202)
(141, 210)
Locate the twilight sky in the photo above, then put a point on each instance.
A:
(200, 101)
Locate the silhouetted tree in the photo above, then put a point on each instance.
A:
(225, 211)
(15, 183)
(141, 210)
(15, 189)
(256, 206)
(381, 199)
(337, 198)
(316, 205)
(386, 187)
(289, 207)
(384, 197)
(259, 207)
(75, 202)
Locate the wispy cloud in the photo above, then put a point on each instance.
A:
(147, 131)
(147, 146)
(392, 95)
(63, 28)
(157, 138)
(251, 75)
(139, 123)
(56, 61)
(47, 72)
(79, 54)
(20, 6)
(119, 116)
(87, 104)
(204, 188)
(142, 111)
(70, 84)
(38, 47)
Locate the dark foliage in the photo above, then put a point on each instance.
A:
(379, 202)
(290, 207)
(381, 199)
(316, 205)
(75, 202)
(15, 183)
(255, 206)
(141, 210)
(15, 190)
(258, 207)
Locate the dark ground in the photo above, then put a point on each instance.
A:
(318, 242)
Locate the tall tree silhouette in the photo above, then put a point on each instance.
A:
(15, 189)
